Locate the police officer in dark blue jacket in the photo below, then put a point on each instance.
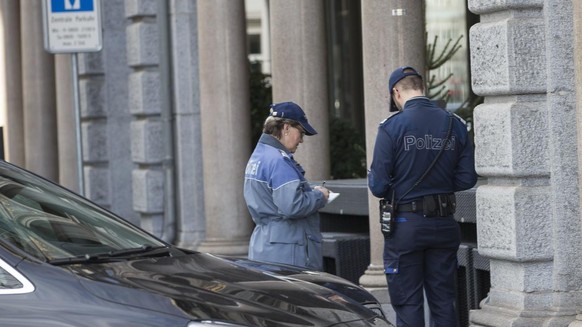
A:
(420, 253)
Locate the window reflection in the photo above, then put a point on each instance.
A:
(49, 222)
(446, 20)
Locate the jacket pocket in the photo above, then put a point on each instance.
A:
(284, 232)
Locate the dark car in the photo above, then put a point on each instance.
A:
(65, 261)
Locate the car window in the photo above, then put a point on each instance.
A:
(12, 282)
(50, 222)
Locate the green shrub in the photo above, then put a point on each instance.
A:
(347, 151)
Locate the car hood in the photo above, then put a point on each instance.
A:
(203, 286)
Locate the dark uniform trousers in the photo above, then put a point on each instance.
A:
(422, 254)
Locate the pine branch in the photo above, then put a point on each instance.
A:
(447, 53)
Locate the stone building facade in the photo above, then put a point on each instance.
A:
(524, 62)
(165, 120)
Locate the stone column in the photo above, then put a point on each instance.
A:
(105, 113)
(528, 218)
(563, 153)
(14, 118)
(147, 96)
(225, 113)
(66, 134)
(299, 71)
(577, 15)
(188, 138)
(38, 80)
(392, 36)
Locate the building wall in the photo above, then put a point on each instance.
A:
(525, 132)
(139, 111)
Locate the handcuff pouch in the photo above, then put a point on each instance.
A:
(439, 205)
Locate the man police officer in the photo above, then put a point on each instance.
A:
(421, 251)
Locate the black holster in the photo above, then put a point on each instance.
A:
(439, 205)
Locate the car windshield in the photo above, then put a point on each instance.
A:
(52, 223)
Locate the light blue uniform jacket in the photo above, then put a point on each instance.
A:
(283, 207)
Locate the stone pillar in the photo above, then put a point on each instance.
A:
(146, 91)
(105, 106)
(38, 80)
(528, 217)
(188, 138)
(577, 15)
(299, 71)
(11, 66)
(565, 192)
(66, 123)
(225, 111)
(392, 36)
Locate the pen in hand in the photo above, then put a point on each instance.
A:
(323, 190)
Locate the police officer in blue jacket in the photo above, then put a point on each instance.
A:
(421, 251)
(281, 201)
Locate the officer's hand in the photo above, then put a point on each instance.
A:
(323, 190)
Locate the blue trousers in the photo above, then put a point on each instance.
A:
(422, 254)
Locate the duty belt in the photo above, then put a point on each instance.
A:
(438, 205)
(414, 206)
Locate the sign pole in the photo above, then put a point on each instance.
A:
(80, 174)
(73, 27)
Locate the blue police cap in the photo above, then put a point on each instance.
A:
(292, 111)
(395, 77)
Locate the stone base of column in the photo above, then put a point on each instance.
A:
(238, 248)
(490, 316)
(374, 281)
(577, 322)
(374, 277)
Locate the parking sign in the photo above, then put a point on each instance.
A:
(72, 26)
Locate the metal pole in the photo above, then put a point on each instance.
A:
(78, 124)
(169, 228)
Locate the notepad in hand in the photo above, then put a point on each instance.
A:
(332, 196)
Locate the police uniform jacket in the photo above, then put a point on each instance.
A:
(407, 143)
(283, 207)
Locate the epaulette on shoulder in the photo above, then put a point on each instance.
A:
(459, 118)
(390, 117)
